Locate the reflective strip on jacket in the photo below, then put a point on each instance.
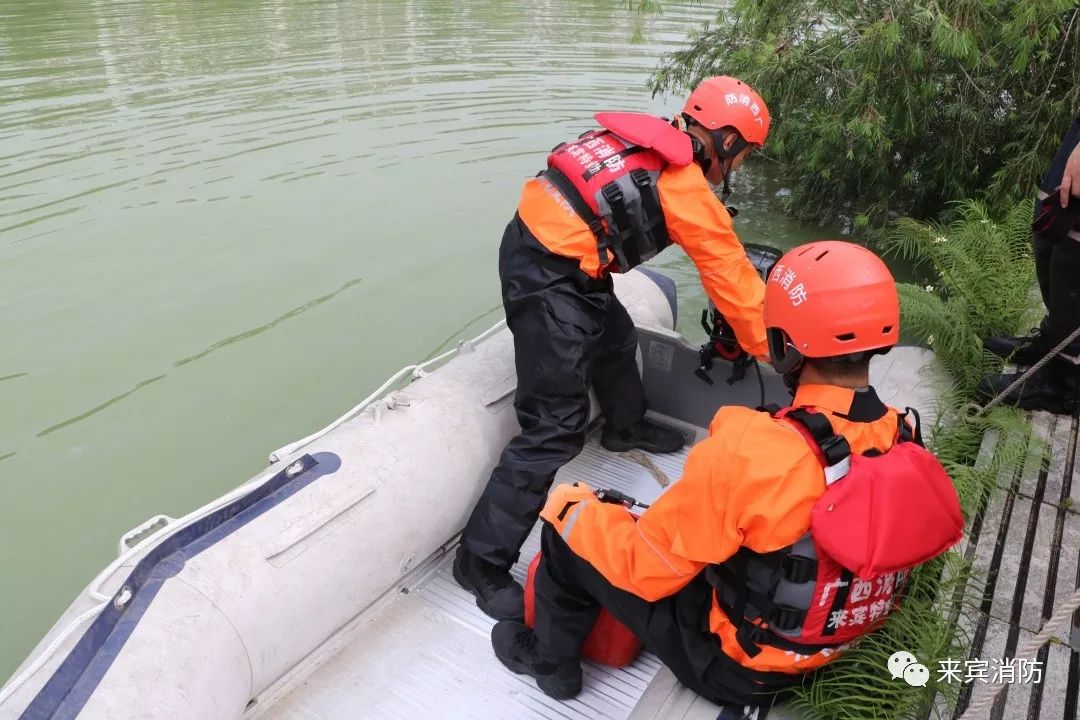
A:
(752, 482)
(696, 221)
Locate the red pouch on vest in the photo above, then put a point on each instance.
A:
(889, 513)
(610, 642)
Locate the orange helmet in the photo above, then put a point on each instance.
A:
(722, 101)
(829, 299)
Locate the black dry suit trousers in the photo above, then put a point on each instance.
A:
(569, 593)
(569, 333)
(1057, 260)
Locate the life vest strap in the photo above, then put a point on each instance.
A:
(832, 450)
(905, 431)
(590, 218)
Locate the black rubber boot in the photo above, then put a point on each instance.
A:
(497, 594)
(515, 646)
(1048, 389)
(1022, 350)
(643, 435)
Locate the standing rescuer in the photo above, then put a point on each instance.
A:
(791, 532)
(1056, 244)
(608, 201)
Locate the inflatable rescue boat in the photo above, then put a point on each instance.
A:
(322, 589)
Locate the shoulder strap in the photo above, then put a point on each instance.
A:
(904, 431)
(832, 450)
(568, 191)
(563, 184)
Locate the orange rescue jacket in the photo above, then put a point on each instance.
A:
(696, 220)
(751, 483)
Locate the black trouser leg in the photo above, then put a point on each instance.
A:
(1056, 263)
(1044, 253)
(616, 378)
(569, 592)
(1064, 297)
(557, 327)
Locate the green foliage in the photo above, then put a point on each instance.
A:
(884, 108)
(986, 274)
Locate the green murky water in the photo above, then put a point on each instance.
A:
(223, 222)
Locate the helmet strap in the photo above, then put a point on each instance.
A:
(732, 210)
(736, 148)
(791, 378)
(701, 157)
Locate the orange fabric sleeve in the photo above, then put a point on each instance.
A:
(776, 477)
(554, 222)
(672, 541)
(731, 494)
(699, 223)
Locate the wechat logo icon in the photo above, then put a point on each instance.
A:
(903, 664)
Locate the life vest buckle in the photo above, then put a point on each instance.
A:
(641, 178)
(613, 194)
(799, 570)
(835, 449)
(750, 636)
(787, 619)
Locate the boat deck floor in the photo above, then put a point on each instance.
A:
(426, 651)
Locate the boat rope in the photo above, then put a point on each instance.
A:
(12, 687)
(646, 462)
(1027, 653)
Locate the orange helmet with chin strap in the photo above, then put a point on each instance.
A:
(829, 299)
(724, 101)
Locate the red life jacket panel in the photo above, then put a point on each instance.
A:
(609, 177)
(881, 516)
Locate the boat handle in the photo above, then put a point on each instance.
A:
(142, 532)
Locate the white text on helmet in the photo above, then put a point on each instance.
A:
(737, 99)
(784, 277)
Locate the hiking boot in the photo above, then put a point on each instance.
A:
(1044, 390)
(643, 435)
(1021, 350)
(497, 594)
(516, 647)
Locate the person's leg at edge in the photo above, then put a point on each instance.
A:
(1064, 317)
(1063, 305)
(1055, 387)
(620, 392)
(555, 332)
